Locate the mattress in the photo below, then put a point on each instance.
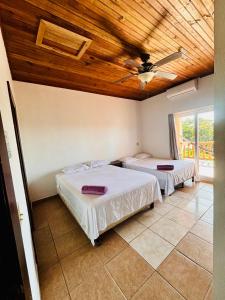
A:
(183, 170)
(128, 192)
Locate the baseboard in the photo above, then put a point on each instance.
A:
(36, 202)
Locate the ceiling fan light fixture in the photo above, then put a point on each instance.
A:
(146, 77)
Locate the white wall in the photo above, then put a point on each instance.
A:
(15, 169)
(60, 127)
(155, 110)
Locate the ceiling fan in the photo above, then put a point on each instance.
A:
(146, 70)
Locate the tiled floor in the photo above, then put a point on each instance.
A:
(159, 254)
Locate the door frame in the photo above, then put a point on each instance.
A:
(13, 210)
(20, 152)
(195, 113)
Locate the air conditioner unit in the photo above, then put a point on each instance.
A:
(182, 89)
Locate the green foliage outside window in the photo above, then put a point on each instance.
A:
(205, 130)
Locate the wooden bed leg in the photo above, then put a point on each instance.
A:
(152, 205)
(98, 242)
(182, 184)
(163, 192)
(193, 179)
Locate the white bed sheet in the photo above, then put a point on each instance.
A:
(128, 192)
(183, 170)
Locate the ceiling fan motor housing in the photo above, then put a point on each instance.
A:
(145, 57)
(145, 67)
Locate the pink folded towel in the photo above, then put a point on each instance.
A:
(165, 167)
(94, 189)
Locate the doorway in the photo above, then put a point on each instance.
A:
(13, 268)
(195, 136)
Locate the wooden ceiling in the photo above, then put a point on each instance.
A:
(119, 29)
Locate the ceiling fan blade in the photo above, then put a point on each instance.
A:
(170, 76)
(169, 58)
(142, 85)
(132, 63)
(124, 78)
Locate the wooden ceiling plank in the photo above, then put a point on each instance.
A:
(27, 39)
(175, 32)
(209, 5)
(100, 65)
(78, 78)
(205, 13)
(15, 58)
(30, 51)
(179, 36)
(177, 20)
(54, 63)
(57, 66)
(183, 63)
(66, 14)
(76, 19)
(49, 81)
(193, 58)
(180, 72)
(186, 15)
(159, 35)
(156, 44)
(95, 32)
(198, 18)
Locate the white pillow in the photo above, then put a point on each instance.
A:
(98, 163)
(75, 168)
(127, 158)
(142, 155)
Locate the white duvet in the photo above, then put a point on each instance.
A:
(183, 170)
(128, 192)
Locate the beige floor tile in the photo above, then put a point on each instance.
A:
(191, 188)
(43, 209)
(182, 217)
(207, 187)
(185, 276)
(129, 229)
(52, 204)
(111, 246)
(53, 285)
(45, 248)
(174, 200)
(39, 217)
(42, 236)
(162, 208)
(197, 250)
(208, 216)
(61, 222)
(147, 218)
(169, 230)
(181, 194)
(203, 230)
(194, 207)
(152, 247)
(203, 201)
(98, 285)
(130, 271)
(71, 241)
(79, 264)
(205, 194)
(156, 288)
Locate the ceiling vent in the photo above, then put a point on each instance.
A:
(182, 89)
(61, 40)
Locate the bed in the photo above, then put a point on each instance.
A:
(183, 170)
(128, 192)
